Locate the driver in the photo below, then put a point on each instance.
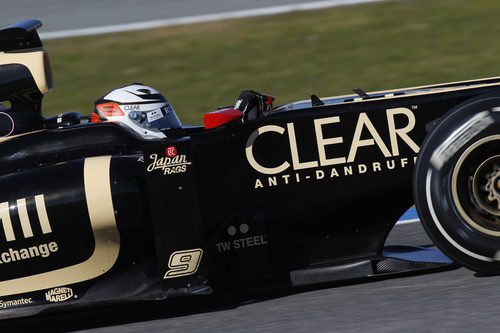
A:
(140, 108)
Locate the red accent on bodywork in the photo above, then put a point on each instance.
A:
(269, 99)
(221, 117)
(95, 118)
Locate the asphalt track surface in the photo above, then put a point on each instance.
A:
(451, 301)
(62, 14)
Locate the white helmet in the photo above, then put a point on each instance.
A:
(138, 107)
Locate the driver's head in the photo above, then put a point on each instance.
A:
(140, 108)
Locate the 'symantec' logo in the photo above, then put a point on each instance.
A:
(365, 136)
(15, 302)
(59, 294)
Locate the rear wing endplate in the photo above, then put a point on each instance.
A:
(25, 73)
(20, 35)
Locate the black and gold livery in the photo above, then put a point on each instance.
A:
(299, 194)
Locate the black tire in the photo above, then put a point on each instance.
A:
(457, 184)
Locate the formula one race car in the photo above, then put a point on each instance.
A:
(102, 210)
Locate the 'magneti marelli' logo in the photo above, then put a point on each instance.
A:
(59, 294)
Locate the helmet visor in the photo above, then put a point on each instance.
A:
(162, 119)
(151, 117)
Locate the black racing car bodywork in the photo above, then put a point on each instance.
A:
(306, 193)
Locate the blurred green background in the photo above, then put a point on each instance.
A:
(327, 52)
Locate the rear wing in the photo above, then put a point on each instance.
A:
(25, 73)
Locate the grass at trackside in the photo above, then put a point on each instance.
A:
(326, 52)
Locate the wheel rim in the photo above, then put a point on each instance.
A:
(486, 187)
(476, 186)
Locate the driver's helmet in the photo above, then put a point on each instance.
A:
(140, 108)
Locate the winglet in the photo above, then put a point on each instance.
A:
(316, 101)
